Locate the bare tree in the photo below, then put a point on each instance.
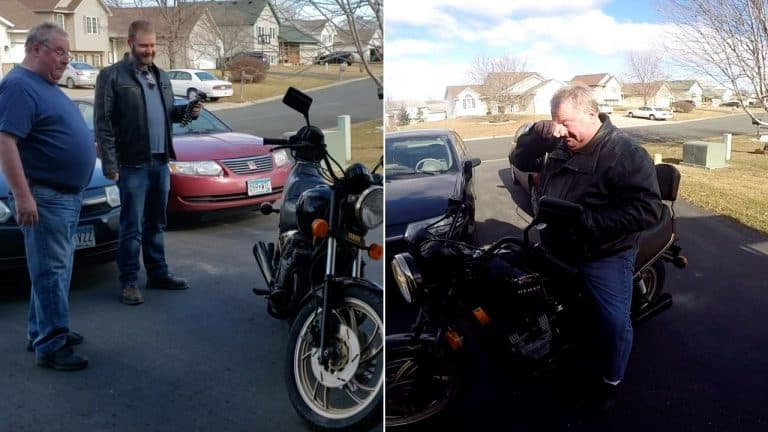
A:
(497, 77)
(362, 21)
(724, 40)
(645, 72)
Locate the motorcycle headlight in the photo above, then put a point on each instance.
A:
(113, 195)
(200, 168)
(406, 275)
(369, 207)
(280, 157)
(5, 212)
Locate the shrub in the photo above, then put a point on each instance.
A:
(251, 65)
(682, 106)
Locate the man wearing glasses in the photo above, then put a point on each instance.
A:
(134, 110)
(47, 155)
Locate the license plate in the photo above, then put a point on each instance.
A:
(259, 186)
(85, 237)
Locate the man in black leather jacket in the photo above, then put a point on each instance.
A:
(134, 111)
(592, 163)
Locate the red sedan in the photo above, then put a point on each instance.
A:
(216, 168)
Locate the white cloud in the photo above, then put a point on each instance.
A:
(407, 47)
(421, 79)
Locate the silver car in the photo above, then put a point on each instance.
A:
(79, 74)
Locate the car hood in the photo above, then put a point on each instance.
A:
(227, 145)
(411, 199)
(97, 180)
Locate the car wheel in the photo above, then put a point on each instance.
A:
(652, 117)
(191, 94)
(629, 114)
(70, 83)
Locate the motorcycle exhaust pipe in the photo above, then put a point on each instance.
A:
(662, 303)
(264, 259)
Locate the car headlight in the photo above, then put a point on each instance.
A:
(5, 212)
(200, 168)
(280, 157)
(113, 195)
(406, 275)
(369, 207)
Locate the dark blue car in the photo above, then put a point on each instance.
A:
(99, 218)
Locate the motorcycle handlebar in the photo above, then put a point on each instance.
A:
(276, 141)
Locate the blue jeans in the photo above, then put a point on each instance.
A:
(143, 198)
(610, 282)
(50, 250)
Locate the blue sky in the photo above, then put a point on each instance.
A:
(430, 44)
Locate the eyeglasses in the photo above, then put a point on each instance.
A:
(60, 52)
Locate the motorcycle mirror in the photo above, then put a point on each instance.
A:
(299, 101)
(378, 165)
(557, 211)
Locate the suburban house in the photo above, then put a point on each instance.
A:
(714, 96)
(464, 101)
(251, 25)
(296, 46)
(656, 93)
(189, 42)
(371, 41)
(605, 87)
(84, 20)
(322, 30)
(529, 93)
(6, 46)
(686, 90)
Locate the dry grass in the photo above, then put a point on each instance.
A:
(367, 142)
(738, 191)
(474, 127)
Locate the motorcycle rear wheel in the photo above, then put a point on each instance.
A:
(420, 384)
(347, 394)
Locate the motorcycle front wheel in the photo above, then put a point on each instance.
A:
(346, 393)
(420, 382)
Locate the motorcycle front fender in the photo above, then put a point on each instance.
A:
(349, 281)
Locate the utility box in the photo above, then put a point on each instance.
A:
(704, 154)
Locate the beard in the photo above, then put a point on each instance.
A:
(145, 59)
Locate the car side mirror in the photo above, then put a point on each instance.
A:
(557, 211)
(468, 166)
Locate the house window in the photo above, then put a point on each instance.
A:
(80, 58)
(91, 25)
(97, 60)
(469, 102)
(59, 20)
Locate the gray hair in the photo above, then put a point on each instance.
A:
(42, 33)
(579, 96)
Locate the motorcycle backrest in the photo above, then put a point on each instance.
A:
(557, 211)
(297, 100)
(669, 181)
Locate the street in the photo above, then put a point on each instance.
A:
(695, 367)
(207, 359)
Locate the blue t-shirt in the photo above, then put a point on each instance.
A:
(155, 114)
(55, 144)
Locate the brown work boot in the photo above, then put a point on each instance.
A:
(131, 294)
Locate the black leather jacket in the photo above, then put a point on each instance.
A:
(613, 178)
(121, 116)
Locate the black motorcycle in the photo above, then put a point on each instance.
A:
(514, 294)
(315, 281)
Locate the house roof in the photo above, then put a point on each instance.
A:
(239, 12)
(681, 85)
(122, 18)
(315, 26)
(289, 33)
(19, 14)
(535, 89)
(365, 31)
(453, 91)
(637, 89)
(514, 77)
(592, 80)
(51, 5)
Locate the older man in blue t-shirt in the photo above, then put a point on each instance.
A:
(47, 155)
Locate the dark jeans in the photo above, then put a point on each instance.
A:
(50, 250)
(143, 198)
(610, 282)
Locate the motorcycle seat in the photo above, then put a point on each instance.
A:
(655, 239)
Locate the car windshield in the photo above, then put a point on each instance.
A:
(410, 155)
(207, 123)
(205, 76)
(82, 66)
